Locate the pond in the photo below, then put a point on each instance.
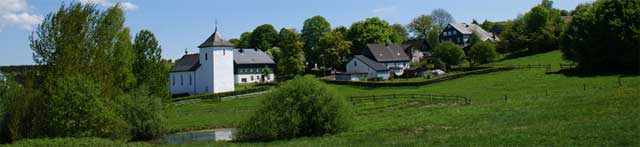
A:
(225, 134)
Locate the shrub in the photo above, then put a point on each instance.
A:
(449, 53)
(143, 112)
(482, 52)
(604, 35)
(303, 106)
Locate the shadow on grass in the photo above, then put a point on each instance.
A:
(574, 72)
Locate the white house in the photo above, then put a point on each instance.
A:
(249, 66)
(210, 71)
(218, 67)
(361, 64)
(390, 55)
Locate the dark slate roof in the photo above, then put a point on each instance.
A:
(387, 53)
(373, 64)
(189, 62)
(251, 56)
(419, 44)
(215, 40)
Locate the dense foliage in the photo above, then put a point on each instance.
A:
(312, 30)
(290, 61)
(536, 31)
(482, 52)
(87, 63)
(371, 30)
(263, 37)
(334, 47)
(300, 107)
(604, 35)
(449, 53)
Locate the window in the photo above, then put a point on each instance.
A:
(174, 80)
(190, 83)
(251, 70)
(206, 56)
(355, 63)
(224, 52)
(258, 78)
(460, 39)
(181, 80)
(251, 78)
(243, 80)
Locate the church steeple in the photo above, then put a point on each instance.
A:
(215, 40)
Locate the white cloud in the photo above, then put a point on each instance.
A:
(14, 13)
(382, 12)
(127, 6)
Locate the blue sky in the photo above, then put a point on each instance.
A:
(185, 24)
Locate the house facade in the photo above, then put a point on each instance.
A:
(417, 50)
(250, 65)
(391, 56)
(361, 64)
(460, 34)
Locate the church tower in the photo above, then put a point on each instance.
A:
(215, 74)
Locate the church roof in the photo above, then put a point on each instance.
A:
(251, 56)
(215, 40)
(189, 62)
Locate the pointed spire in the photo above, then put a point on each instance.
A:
(216, 28)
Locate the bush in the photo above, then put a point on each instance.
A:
(143, 112)
(303, 106)
(74, 142)
(482, 52)
(449, 53)
(604, 35)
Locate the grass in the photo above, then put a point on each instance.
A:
(541, 108)
(548, 109)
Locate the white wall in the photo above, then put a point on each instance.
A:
(402, 65)
(357, 66)
(239, 77)
(179, 82)
(215, 74)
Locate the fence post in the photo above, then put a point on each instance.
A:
(619, 82)
(546, 92)
(505, 97)
(584, 87)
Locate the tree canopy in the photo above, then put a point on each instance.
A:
(449, 53)
(312, 30)
(441, 18)
(290, 61)
(263, 37)
(371, 30)
(334, 47)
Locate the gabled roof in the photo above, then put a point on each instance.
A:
(419, 44)
(251, 56)
(387, 52)
(470, 28)
(215, 40)
(373, 64)
(189, 62)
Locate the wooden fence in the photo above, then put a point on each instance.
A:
(433, 98)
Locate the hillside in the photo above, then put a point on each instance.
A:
(540, 108)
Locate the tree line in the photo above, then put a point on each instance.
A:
(91, 80)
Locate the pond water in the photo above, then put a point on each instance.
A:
(225, 134)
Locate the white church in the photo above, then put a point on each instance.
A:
(218, 67)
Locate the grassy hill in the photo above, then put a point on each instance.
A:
(541, 108)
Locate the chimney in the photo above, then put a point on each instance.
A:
(241, 50)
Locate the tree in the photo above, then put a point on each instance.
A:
(149, 69)
(482, 52)
(421, 26)
(234, 41)
(475, 22)
(244, 40)
(547, 4)
(290, 60)
(343, 30)
(274, 53)
(263, 37)
(441, 18)
(487, 25)
(449, 53)
(536, 31)
(334, 46)
(266, 72)
(300, 107)
(401, 31)
(604, 36)
(312, 30)
(371, 30)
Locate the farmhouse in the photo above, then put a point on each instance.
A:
(417, 50)
(250, 64)
(460, 34)
(212, 69)
(361, 64)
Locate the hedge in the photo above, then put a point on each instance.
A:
(418, 83)
(218, 96)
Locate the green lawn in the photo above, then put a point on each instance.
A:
(548, 109)
(541, 109)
